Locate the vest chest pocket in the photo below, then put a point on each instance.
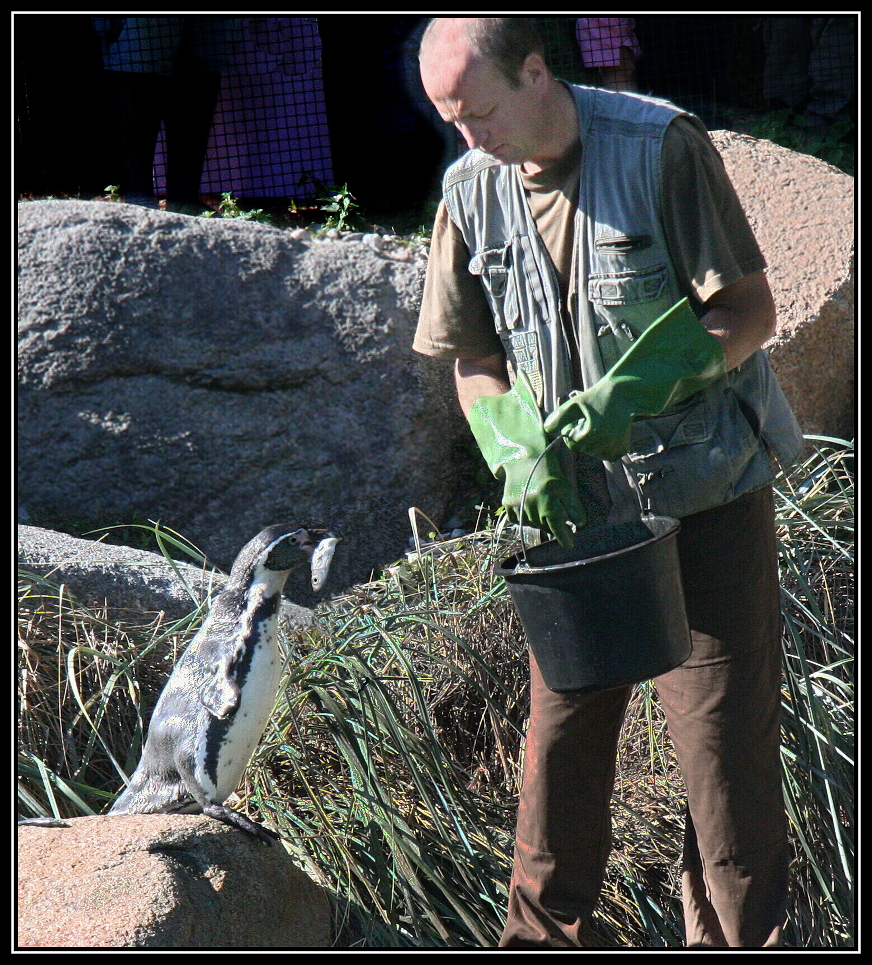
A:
(626, 302)
(494, 266)
(624, 288)
(622, 244)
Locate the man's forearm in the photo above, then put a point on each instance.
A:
(476, 377)
(741, 317)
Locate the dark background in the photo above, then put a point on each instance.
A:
(385, 141)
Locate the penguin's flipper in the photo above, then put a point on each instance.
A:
(220, 693)
(236, 820)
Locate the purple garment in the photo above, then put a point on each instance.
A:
(601, 39)
(269, 133)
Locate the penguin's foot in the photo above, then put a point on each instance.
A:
(236, 820)
(45, 822)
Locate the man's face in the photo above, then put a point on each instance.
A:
(478, 99)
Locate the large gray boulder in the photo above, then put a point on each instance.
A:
(221, 376)
(802, 212)
(163, 881)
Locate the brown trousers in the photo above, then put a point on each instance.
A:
(722, 707)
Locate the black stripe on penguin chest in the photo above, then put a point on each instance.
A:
(250, 688)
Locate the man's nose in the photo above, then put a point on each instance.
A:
(474, 136)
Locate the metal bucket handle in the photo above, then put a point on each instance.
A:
(523, 565)
(644, 508)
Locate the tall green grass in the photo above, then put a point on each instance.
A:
(816, 544)
(391, 761)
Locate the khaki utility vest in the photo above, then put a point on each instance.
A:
(704, 452)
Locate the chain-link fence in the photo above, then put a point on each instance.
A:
(714, 65)
(271, 109)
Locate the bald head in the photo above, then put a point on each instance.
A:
(446, 50)
(445, 29)
(504, 42)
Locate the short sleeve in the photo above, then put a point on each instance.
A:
(710, 240)
(455, 320)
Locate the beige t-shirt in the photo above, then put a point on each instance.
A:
(709, 238)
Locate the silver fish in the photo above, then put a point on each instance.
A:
(320, 561)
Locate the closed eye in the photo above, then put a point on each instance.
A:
(468, 116)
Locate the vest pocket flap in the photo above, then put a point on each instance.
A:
(626, 287)
(685, 427)
(489, 260)
(494, 267)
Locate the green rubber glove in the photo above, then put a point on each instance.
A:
(509, 432)
(672, 359)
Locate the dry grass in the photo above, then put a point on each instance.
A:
(391, 761)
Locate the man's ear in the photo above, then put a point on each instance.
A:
(534, 71)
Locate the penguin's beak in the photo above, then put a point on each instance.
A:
(312, 539)
(320, 546)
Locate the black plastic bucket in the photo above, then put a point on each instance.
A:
(608, 613)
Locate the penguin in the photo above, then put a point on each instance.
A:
(215, 705)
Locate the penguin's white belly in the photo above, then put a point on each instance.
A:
(245, 729)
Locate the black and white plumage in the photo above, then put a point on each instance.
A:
(215, 706)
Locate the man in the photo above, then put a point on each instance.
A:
(568, 239)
